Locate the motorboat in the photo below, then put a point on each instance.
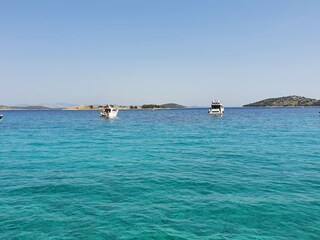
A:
(216, 108)
(1, 117)
(109, 111)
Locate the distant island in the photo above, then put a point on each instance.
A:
(2, 107)
(288, 101)
(131, 107)
(95, 107)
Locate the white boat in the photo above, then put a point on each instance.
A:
(109, 111)
(1, 116)
(216, 108)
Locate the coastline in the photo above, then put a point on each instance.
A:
(97, 107)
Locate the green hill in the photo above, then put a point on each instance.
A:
(172, 105)
(167, 105)
(289, 101)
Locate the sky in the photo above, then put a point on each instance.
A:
(131, 52)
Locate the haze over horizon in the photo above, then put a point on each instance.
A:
(135, 52)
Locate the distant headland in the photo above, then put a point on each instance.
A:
(96, 107)
(288, 101)
(131, 107)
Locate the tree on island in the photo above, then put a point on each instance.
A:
(151, 106)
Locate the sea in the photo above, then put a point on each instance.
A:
(253, 173)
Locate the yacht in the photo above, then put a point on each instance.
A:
(216, 108)
(109, 111)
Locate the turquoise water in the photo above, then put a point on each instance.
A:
(169, 174)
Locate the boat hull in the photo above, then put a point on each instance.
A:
(215, 113)
(112, 114)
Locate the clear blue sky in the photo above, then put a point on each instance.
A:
(158, 51)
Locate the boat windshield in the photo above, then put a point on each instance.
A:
(215, 106)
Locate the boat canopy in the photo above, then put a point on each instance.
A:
(216, 102)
